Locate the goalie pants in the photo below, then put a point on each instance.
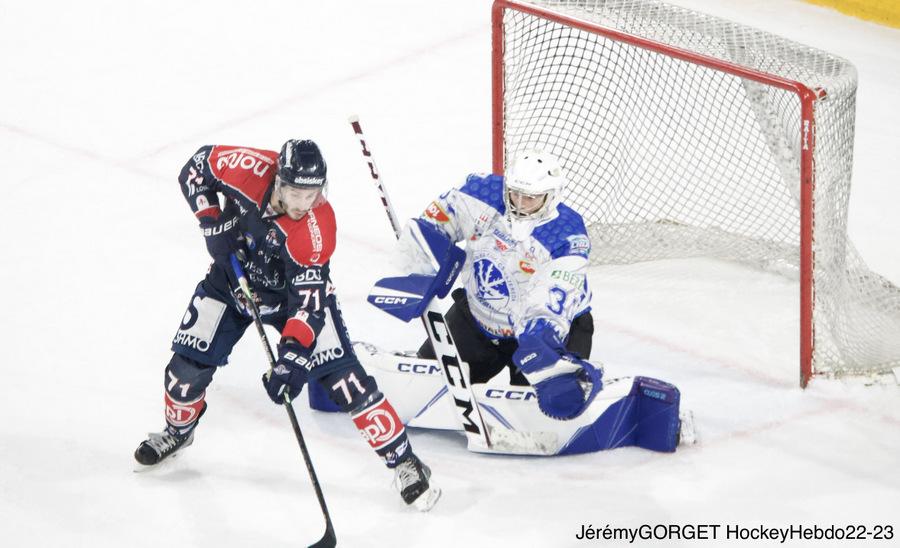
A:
(487, 356)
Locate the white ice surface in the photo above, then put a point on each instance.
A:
(102, 103)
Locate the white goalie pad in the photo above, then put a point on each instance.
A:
(417, 390)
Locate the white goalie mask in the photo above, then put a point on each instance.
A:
(533, 186)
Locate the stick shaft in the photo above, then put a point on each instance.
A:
(328, 539)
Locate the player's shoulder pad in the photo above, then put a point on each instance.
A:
(564, 235)
(247, 171)
(311, 240)
(486, 188)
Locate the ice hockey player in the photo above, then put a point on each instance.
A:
(524, 299)
(275, 214)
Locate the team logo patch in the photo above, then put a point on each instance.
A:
(492, 287)
(379, 425)
(182, 414)
(435, 212)
(579, 244)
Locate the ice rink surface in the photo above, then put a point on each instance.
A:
(103, 102)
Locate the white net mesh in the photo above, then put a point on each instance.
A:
(669, 159)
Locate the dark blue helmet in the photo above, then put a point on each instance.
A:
(300, 165)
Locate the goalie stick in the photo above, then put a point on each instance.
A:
(455, 370)
(328, 540)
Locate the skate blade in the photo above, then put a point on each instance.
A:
(165, 464)
(428, 499)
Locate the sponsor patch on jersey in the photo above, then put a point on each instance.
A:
(579, 244)
(310, 276)
(502, 241)
(315, 237)
(526, 267)
(200, 322)
(244, 158)
(328, 346)
(435, 212)
(571, 278)
(271, 238)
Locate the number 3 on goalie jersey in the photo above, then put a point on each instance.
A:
(557, 300)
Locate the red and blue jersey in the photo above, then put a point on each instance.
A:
(288, 261)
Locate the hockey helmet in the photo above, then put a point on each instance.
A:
(301, 178)
(301, 165)
(533, 186)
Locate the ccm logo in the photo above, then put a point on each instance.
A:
(390, 300)
(529, 357)
(419, 368)
(522, 395)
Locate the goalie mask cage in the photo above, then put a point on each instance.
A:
(685, 135)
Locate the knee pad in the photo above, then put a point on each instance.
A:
(186, 379)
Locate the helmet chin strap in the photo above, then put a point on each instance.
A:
(279, 202)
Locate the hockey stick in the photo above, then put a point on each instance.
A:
(328, 540)
(456, 371)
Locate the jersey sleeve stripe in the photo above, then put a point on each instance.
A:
(299, 330)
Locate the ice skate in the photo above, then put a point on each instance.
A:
(413, 479)
(161, 445)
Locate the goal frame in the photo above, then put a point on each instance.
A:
(805, 133)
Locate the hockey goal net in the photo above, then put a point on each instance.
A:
(685, 135)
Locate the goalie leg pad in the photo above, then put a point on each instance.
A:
(647, 417)
(657, 416)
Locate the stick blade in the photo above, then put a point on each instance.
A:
(328, 540)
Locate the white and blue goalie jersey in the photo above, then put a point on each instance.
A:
(517, 271)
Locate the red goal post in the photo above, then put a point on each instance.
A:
(568, 74)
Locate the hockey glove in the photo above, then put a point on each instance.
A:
(222, 237)
(555, 374)
(290, 372)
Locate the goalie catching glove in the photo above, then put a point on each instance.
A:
(556, 374)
